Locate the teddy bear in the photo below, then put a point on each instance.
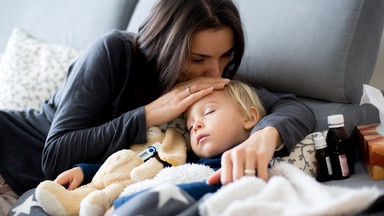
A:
(121, 169)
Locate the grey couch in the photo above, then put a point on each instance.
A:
(322, 51)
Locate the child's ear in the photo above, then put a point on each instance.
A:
(252, 118)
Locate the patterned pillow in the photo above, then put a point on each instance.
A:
(303, 155)
(31, 70)
(179, 124)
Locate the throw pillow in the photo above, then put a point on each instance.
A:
(303, 155)
(179, 124)
(31, 70)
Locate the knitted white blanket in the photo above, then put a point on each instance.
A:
(289, 191)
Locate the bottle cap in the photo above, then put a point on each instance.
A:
(320, 142)
(336, 121)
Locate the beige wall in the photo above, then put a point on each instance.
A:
(377, 79)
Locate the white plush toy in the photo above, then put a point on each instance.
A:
(121, 169)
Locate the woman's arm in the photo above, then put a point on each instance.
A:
(290, 116)
(98, 112)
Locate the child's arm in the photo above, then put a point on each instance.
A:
(81, 173)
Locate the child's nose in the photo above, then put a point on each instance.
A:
(197, 126)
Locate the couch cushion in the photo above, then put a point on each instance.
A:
(317, 49)
(70, 22)
(32, 70)
(353, 113)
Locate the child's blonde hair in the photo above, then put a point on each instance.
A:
(245, 96)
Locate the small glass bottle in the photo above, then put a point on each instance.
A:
(324, 167)
(336, 139)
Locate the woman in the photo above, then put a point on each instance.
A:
(123, 84)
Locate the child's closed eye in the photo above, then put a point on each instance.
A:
(209, 111)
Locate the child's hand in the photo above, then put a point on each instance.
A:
(71, 178)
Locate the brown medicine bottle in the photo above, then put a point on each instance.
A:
(336, 139)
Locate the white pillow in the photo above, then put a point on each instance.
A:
(31, 70)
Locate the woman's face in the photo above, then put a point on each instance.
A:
(211, 51)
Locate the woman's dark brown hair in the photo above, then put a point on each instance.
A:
(166, 35)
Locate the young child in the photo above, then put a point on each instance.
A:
(217, 122)
(224, 119)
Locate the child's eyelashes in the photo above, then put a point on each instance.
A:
(209, 111)
(206, 113)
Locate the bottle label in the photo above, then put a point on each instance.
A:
(329, 167)
(344, 165)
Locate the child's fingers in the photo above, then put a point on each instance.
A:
(214, 178)
(74, 184)
(71, 178)
(61, 180)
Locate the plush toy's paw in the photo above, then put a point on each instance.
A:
(57, 200)
(46, 194)
(98, 202)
